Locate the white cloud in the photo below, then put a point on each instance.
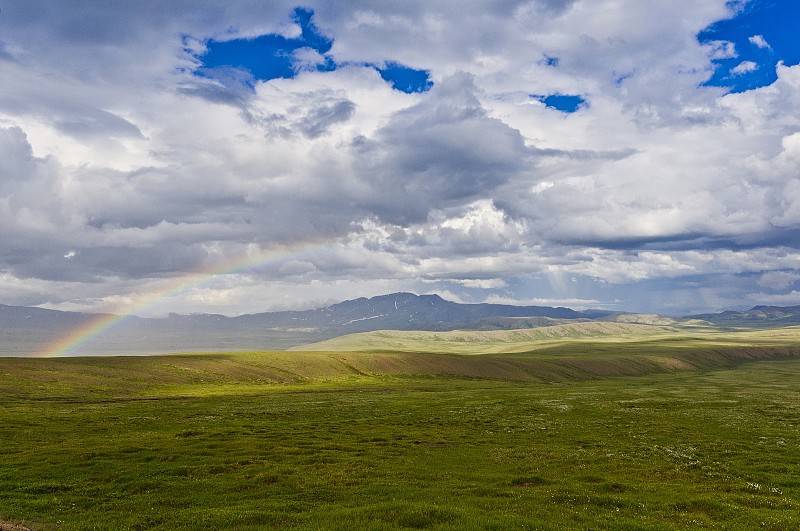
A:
(575, 304)
(483, 283)
(758, 40)
(721, 50)
(745, 67)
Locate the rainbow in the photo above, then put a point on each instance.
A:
(71, 343)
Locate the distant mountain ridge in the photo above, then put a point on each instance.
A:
(42, 318)
(396, 311)
(27, 330)
(757, 316)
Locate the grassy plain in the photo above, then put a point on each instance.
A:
(641, 433)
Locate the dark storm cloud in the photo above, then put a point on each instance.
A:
(232, 86)
(774, 237)
(320, 118)
(17, 162)
(60, 263)
(444, 150)
(585, 154)
(101, 123)
(160, 259)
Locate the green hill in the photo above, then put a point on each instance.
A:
(560, 353)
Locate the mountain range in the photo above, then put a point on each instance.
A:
(29, 330)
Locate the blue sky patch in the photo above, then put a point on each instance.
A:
(267, 56)
(562, 102)
(549, 61)
(761, 35)
(273, 56)
(404, 78)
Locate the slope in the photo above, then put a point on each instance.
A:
(491, 341)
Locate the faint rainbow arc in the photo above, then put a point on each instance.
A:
(72, 341)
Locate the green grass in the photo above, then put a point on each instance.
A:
(380, 440)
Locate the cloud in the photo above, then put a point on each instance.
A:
(124, 165)
(445, 150)
(483, 283)
(778, 280)
(745, 67)
(576, 304)
(322, 115)
(101, 123)
(759, 41)
(721, 50)
(230, 86)
(770, 299)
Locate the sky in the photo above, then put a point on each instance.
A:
(248, 156)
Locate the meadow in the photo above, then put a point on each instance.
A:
(645, 433)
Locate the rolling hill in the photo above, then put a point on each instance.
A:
(756, 317)
(26, 331)
(491, 341)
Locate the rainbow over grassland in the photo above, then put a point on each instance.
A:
(71, 342)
